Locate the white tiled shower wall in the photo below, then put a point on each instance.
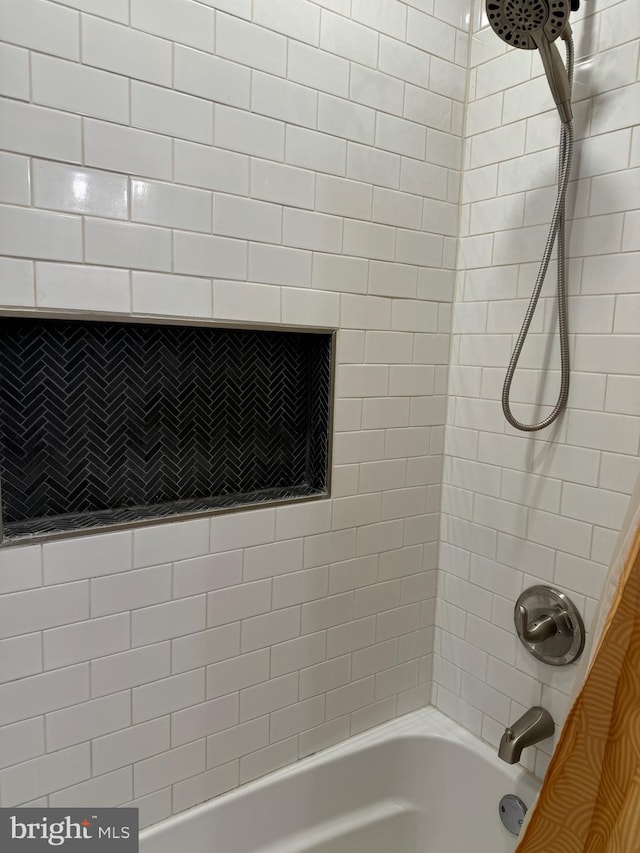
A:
(273, 161)
(523, 509)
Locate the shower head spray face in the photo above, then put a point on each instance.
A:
(530, 24)
(516, 21)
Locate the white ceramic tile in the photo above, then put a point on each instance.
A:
(268, 759)
(177, 20)
(14, 72)
(79, 89)
(125, 51)
(317, 69)
(75, 190)
(297, 654)
(211, 168)
(130, 745)
(21, 741)
(431, 35)
(303, 307)
(303, 519)
(325, 676)
(127, 245)
(270, 696)
(128, 669)
(346, 120)
(167, 695)
(87, 720)
(39, 694)
(171, 113)
(20, 568)
(42, 26)
(237, 741)
(266, 561)
(169, 767)
(296, 718)
(279, 265)
(316, 231)
(117, 10)
(85, 640)
(124, 149)
(301, 23)
(76, 559)
(35, 233)
(247, 219)
(173, 295)
(282, 184)
(238, 602)
(339, 273)
(245, 43)
(15, 182)
(284, 100)
(20, 657)
(348, 39)
(210, 77)
(204, 574)
(317, 151)
(235, 673)
(158, 544)
(380, 91)
(25, 782)
(343, 197)
(242, 530)
(328, 547)
(349, 698)
(123, 592)
(205, 647)
(297, 588)
(104, 790)
(242, 8)
(327, 612)
(23, 612)
(168, 621)
(35, 130)
(270, 628)
(324, 736)
(204, 786)
(201, 255)
(250, 134)
(246, 302)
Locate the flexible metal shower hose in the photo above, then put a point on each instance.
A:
(556, 232)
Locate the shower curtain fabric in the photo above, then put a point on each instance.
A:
(590, 798)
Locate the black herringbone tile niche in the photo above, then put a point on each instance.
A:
(105, 422)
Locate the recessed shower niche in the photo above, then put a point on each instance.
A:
(109, 422)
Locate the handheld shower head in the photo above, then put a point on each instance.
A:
(530, 24)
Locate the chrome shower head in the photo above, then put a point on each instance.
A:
(530, 24)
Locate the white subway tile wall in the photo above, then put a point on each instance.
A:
(265, 162)
(524, 509)
(301, 162)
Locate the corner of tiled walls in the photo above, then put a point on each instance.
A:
(275, 161)
(524, 509)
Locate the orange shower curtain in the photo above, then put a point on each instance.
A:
(590, 799)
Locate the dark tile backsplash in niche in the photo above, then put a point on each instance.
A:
(105, 422)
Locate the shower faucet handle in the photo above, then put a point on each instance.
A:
(549, 625)
(542, 628)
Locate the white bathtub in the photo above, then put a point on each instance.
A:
(420, 784)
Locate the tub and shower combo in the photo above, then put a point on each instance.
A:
(422, 783)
